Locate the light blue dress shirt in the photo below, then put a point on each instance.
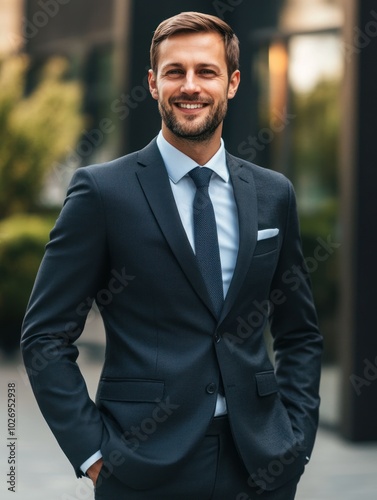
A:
(178, 165)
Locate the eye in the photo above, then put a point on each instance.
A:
(207, 72)
(174, 73)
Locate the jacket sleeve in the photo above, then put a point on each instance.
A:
(71, 273)
(297, 341)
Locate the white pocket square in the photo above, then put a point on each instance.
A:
(267, 233)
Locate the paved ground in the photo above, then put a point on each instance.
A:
(338, 470)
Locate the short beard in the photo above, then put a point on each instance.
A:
(200, 134)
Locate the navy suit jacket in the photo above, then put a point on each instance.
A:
(119, 240)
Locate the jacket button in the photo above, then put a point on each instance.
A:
(217, 338)
(211, 388)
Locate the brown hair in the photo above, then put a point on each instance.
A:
(194, 22)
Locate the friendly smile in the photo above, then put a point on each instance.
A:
(190, 106)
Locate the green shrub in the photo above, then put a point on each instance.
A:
(36, 129)
(22, 242)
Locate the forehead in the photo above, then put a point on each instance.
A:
(199, 48)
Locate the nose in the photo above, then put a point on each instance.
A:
(190, 84)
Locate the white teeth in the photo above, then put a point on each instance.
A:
(191, 106)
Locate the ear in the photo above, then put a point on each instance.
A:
(234, 82)
(152, 84)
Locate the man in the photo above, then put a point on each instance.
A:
(194, 250)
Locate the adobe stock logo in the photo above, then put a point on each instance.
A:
(54, 349)
(268, 475)
(148, 426)
(369, 376)
(361, 37)
(293, 277)
(48, 10)
(249, 148)
(223, 7)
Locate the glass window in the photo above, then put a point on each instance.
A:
(299, 79)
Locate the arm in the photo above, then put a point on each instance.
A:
(72, 270)
(297, 341)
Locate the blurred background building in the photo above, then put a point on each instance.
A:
(306, 107)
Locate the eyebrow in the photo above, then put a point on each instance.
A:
(181, 66)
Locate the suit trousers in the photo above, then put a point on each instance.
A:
(214, 472)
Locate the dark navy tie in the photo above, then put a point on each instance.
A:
(205, 236)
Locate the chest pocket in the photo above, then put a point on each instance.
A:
(266, 246)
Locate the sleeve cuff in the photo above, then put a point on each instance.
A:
(91, 460)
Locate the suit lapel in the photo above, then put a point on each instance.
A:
(155, 183)
(246, 201)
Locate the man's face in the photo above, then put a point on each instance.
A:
(192, 85)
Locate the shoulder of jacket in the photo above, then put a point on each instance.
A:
(260, 173)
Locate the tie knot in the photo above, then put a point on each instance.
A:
(201, 176)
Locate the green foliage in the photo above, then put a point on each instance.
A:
(36, 130)
(315, 150)
(316, 135)
(22, 244)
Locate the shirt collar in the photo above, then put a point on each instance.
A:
(178, 164)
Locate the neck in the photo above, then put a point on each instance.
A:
(200, 152)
